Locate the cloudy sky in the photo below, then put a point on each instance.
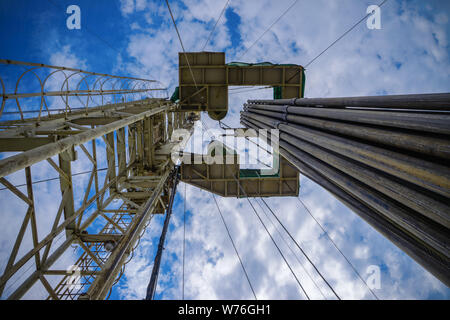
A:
(409, 54)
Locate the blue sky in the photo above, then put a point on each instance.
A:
(410, 54)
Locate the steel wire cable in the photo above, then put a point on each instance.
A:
(325, 50)
(109, 45)
(181, 42)
(273, 240)
(298, 246)
(328, 236)
(268, 29)
(184, 236)
(291, 250)
(303, 252)
(57, 178)
(340, 37)
(234, 246)
(335, 245)
(231, 239)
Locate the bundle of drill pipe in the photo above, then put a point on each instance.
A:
(384, 157)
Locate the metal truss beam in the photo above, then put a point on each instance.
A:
(108, 216)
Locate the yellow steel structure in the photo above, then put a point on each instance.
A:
(204, 79)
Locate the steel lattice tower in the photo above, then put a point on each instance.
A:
(119, 115)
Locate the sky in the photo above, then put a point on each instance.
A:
(409, 54)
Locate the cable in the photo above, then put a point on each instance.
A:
(290, 249)
(221, 122)
(334, 244)
(343, 35)
(323, 51)
(56, 178)
(55, 241)
(217, 21)
(181, 42)
(326, 233)
(37, 111)
(298, 246)
(267, 30)
(234, 246)
(254, 89)
(153, 283)
(273, 240)
(255, 158)
(336, 41)
(305, 253)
